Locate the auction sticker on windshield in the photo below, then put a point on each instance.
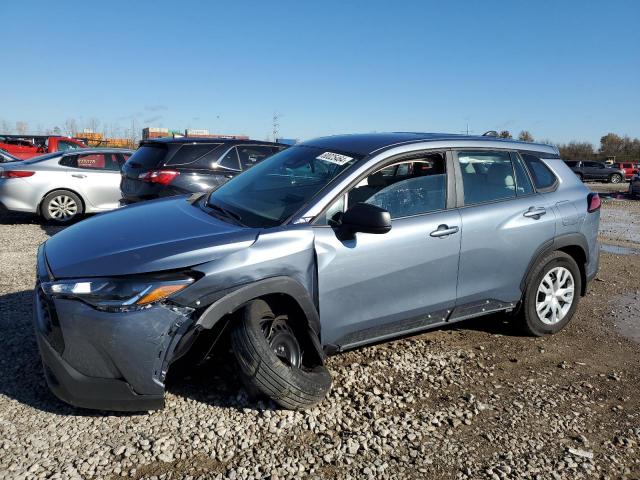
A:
(336, 158)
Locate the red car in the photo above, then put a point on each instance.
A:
(28, 146)
(630, 169)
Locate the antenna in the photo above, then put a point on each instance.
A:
(276, 126)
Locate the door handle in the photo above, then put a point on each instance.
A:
(78, 175)
(535, 212)
(443, 231)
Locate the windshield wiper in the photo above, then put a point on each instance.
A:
(228, 213)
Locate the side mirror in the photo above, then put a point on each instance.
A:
(365, 218)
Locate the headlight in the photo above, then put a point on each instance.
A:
(115, 294)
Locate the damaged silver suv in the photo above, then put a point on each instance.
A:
(329, 245)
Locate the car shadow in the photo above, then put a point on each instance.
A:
(14, 218)
(215, 382)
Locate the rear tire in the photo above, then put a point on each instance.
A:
(61, 206)
(546, 309)
(615, 178)
(291, 386)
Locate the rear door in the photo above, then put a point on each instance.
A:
(194, 163)
(96, 176)
(504, 222)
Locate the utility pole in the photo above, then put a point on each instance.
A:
(276, 126)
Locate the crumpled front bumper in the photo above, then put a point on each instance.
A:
(103, 360)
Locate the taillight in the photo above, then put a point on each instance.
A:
(15, 174)
(593, 202)
(162, 177)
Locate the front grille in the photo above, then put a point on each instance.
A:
(49, 324)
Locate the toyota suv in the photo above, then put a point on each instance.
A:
(174, 166)
(327, 246)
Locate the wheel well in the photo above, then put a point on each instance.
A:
(82, 201)
(578, 254)
(284, 303)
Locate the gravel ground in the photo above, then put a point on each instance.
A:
(473, 401)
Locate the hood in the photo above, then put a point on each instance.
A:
(148, 237)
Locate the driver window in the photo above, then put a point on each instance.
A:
(404, 189)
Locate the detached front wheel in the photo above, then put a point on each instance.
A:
(270, 350)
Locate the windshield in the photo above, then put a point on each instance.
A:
(270, 192)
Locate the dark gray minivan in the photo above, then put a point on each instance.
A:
(331, 244)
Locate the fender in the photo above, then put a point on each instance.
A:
(566, 240)
(274, 285)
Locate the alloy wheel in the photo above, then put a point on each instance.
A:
(555, 295)
(62, 207)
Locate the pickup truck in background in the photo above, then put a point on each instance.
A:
(629, 168)
(28, 146)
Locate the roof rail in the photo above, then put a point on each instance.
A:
(490, 133)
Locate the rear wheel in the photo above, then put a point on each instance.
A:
(615, 178)
(551, 295)
(61, 206)
(271, 355)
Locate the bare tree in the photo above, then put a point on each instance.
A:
(5, 127)
(71, 126)
(525, 136)
(93, 124)
(22, 127)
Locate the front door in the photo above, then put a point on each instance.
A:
(379, 286)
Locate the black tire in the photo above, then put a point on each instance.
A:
(615, 178)
(530, 322)
(291, 387)
(53, 208)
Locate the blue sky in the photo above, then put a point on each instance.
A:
(561, 69)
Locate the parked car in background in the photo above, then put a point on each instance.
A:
(590, 170)
(175, 166)
(634, 185)
(29, 146)
(62, 185)
(329, 245)
(629, 168)
(7, 157)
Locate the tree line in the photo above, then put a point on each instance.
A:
(622, 147)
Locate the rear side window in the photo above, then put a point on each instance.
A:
(64, 146)
(188, 154)
(486, 176)
(543, 177)
(230, 160)
(250, 155)
(148, 156)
